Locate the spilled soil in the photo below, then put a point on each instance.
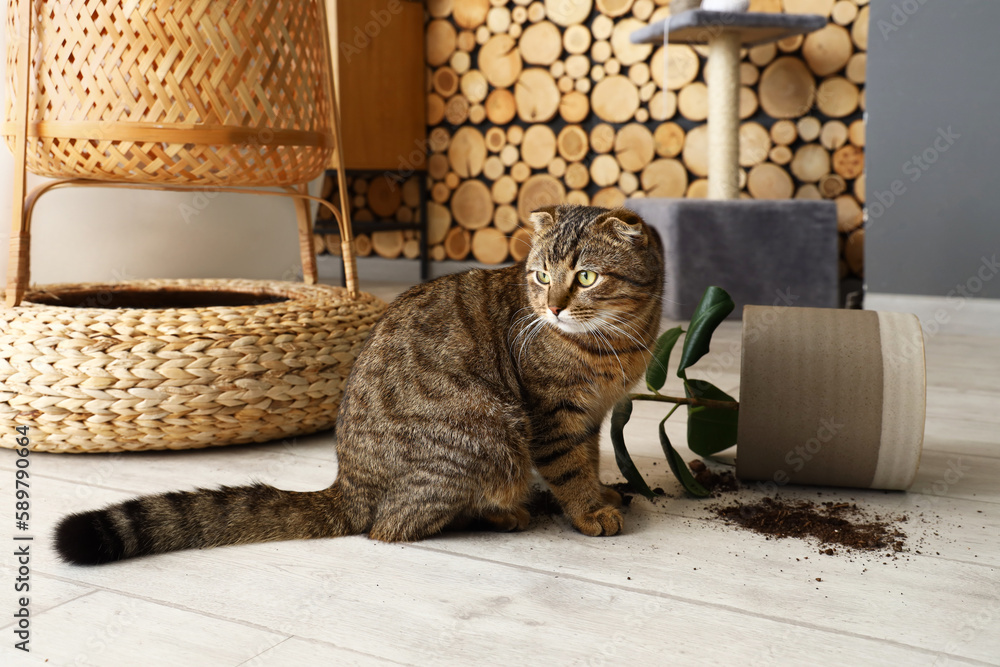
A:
(835, 525)
(716, 482)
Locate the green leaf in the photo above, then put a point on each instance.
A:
(619, 417)
(656, 372)
(710, 430)
(714, 306)
(679, 468)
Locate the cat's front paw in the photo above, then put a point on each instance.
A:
(516, 519)
(605, 520)
(611, 496)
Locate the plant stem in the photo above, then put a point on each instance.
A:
(694, 402)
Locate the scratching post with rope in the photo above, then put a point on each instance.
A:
(725, 33)
(754, 247)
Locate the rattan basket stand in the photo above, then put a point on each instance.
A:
(201, 96)
(22, 127)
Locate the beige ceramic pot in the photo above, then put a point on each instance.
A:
(831, 397)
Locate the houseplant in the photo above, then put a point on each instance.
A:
(712, 413)
(828, 397)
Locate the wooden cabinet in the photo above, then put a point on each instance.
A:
(378, 50)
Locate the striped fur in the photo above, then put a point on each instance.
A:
(466, 385)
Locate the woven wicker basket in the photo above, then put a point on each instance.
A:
(197, 92)
(86, 377)
(196, 95)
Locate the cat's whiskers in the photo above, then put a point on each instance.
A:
(532, 330)
(632, 334)
(522, 334)
(521, 310)
(664, 299)
(594, 326)
(535, 333)
(623, 318)
(625, 334)
(637, 341)
(517, 322)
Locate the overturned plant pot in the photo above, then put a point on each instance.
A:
(831, 397)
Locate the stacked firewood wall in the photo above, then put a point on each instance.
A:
(384, 197)
(531, 103)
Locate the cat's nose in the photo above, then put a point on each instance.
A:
(555, 310)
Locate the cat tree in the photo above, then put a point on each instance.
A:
(763, 249)
(725, 33)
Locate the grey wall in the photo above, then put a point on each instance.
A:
(933, 145)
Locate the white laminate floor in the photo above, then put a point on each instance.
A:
(678, 587)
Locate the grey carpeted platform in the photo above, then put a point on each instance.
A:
(763, 252)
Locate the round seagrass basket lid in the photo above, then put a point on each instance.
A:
(177, 364)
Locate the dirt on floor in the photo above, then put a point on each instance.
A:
(717, 483)
(836, 525)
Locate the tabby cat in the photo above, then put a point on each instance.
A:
(464, 386)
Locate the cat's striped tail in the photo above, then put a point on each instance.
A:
(197, 520)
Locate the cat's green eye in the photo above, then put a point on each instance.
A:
(542, 278)
(586, 278)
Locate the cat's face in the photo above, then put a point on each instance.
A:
(592, 269)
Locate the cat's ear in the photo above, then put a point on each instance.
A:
(628, 231)
(542, 218)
